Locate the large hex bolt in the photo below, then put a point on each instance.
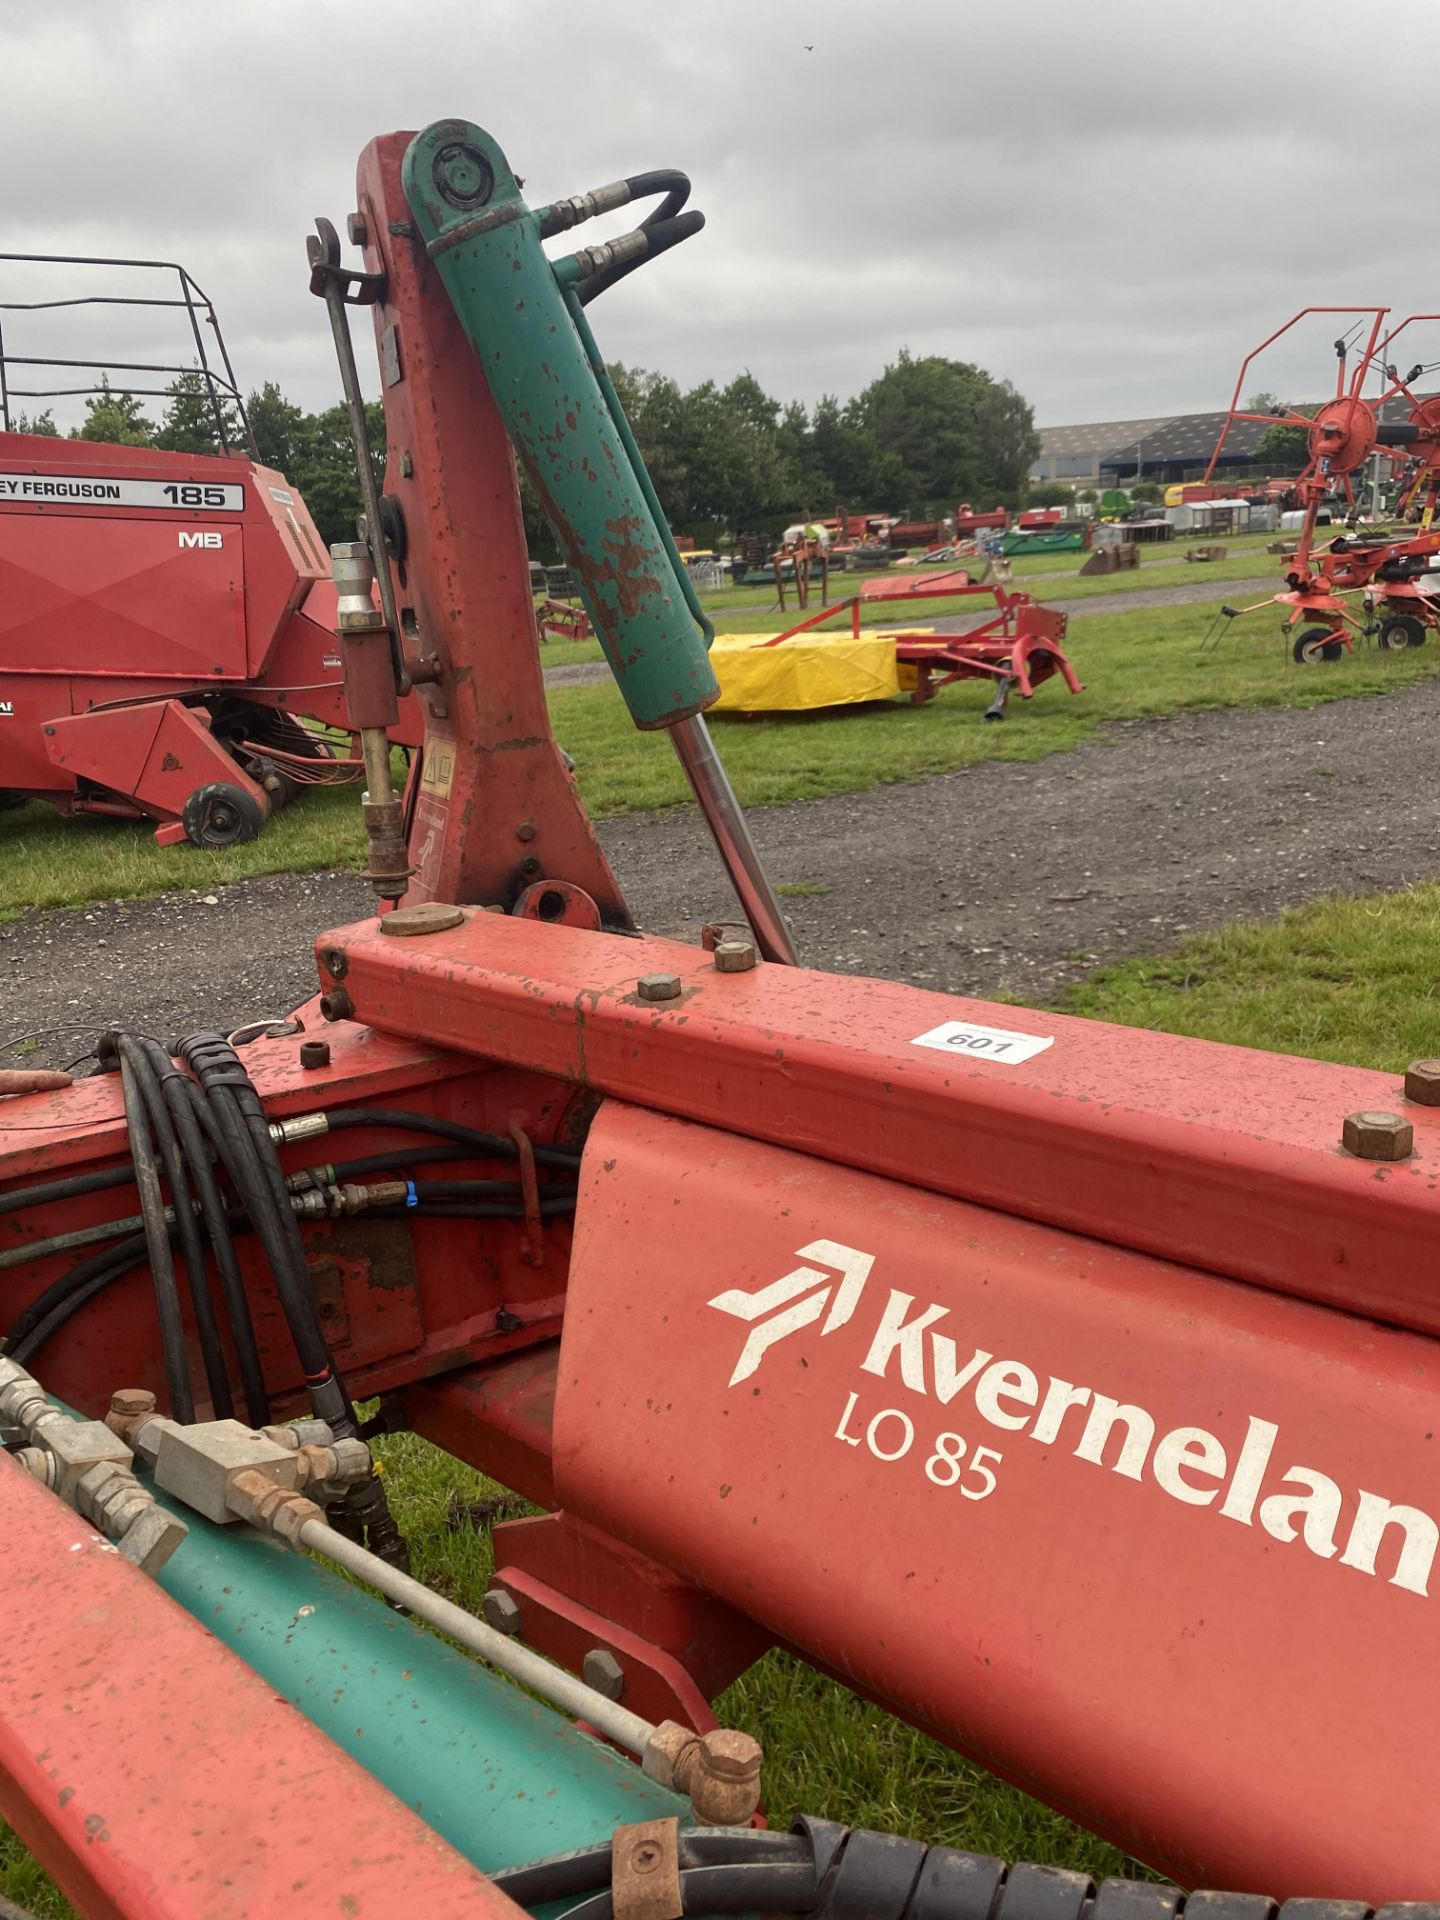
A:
(602, 1671)
(1422, 1082)
(658, 986)
(1377, 1136)
(502, 1613)
(735, 956)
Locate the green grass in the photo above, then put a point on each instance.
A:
(801, 889)
(1350, 979)
(1133, 664)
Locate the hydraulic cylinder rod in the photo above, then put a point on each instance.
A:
(523, 316)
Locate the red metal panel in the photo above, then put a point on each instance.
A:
(1118, 1616)
(1218, 1156)
(121, 594)
(158, 1778)
(156, 753)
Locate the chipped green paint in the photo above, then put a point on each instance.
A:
(500, 1776)
(545, 374)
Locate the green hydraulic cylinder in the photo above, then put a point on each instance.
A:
(501, 1776)
(545, 376)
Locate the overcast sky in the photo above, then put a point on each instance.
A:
(1106, 201)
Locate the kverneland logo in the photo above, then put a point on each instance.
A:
(819, 1290)
(1188, 1463)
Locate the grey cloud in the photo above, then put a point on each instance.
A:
(1106, 201)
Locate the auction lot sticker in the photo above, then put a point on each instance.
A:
(963, 1037)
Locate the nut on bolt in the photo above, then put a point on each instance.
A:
(502, 1613)
(336, 1004)
(1377, 1136)
(658, 986)
(1422, 1082)
(602, 1671)
(735, 956)
(314, 1053)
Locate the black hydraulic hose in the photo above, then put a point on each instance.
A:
(469, 1210)
(675, 186)
(157, 1242)
(187, 1104)
(392, 1162)
(138, 1053)
(485, 1145)
(564, 1875)
(68, 1189)
(833, 1873)
(63, 1299)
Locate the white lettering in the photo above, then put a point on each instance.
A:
(1417, 1552)
(1139, 1432)
(1015, 1382)
(1060, 1396)
(1189, 1448)
(893, 1334)
(947, 1381)
(1250, 1468)
(1320, 1506)
(907, 1427)
(850, 1439)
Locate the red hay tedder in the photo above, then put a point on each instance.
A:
(167, 620)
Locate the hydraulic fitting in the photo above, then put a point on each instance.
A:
(200, 1464)
(719, 1772)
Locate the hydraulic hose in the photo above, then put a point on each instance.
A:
(187, 1106)
(157, 1243)
(68, 1189)
(832, 1872)
(484, 1145)
(138, 1054)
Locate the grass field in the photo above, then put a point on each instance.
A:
(1132, 664)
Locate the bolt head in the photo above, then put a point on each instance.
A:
(1377, 1136)
(502, 1613)
(314, 1053)
(603, 1672)
(1422, 1082)
(735, 956)
(356, 229)
(336, 1004)
(658, 986)
(132, 1402)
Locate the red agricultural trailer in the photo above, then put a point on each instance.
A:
(167, 620)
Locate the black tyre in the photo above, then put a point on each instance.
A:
(1316, 644)
(1401, 631)
(221, 816)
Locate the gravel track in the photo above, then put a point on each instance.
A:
(1017, 876)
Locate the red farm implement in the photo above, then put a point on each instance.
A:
(1383, 567)
(1068, 1390)
(167, 620)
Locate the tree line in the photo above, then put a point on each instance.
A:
(726, 461)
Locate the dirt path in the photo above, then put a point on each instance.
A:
(585, 673)
(1005, 876)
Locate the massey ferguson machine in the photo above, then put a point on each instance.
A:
(166, 619)
(1070, 1390)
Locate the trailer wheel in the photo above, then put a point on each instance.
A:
(1316, 644)
(1400, 632)
(221, 816)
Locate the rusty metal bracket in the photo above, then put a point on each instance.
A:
(645, 1871)
(533, 1250)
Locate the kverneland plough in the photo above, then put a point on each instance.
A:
(1070, 1390)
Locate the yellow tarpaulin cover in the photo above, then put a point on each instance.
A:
(811, 671)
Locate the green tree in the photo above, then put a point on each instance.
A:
(958, 434)
(193, 419)
(278, 427)
(1147, 491)
(1051, 493)
(1283, 447)
(41, 423)
(1263, 401)
(322, 467)
(116, 418)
